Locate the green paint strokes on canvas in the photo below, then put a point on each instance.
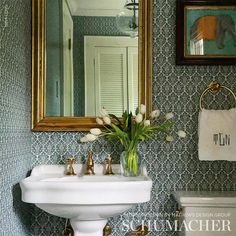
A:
(211, 47)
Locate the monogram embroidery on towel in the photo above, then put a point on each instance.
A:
(221, 139)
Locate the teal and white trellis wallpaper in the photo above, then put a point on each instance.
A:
(172, 166)
(15, 115)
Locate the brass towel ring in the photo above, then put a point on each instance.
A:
(214, 87)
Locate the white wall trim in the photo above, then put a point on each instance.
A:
(95, 7)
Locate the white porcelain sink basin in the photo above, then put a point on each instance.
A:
(88, 201)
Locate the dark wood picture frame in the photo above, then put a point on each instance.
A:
(182, 58)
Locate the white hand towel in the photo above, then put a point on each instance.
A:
(217, 135)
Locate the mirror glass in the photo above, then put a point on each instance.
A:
(91, 52)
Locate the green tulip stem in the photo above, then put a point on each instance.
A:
(132, 160)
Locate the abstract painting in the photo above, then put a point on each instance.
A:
(206, 31)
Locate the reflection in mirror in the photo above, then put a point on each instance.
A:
(91, 57)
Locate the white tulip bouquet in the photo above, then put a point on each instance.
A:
(130, 130)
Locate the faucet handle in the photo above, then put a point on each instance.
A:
(70, 160)
(108, 162)
(69, 169)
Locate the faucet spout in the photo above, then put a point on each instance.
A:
(108, 163)
(90, 165)
(69, 168)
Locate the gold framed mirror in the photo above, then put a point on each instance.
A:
(44, 119)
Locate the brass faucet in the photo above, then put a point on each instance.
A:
(69, 169)
(90, 165)
(107, 230)
(108, 162)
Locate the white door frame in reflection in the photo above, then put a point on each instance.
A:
(117, 94)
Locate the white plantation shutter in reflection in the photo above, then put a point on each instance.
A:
(111, 79)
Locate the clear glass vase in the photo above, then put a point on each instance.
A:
(130, 163)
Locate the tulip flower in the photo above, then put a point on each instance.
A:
(91, 137)
(84, 139)
(107, 120)
(147, 123)
(142, 109)
(169, 138)
(139, 118)
(181, 134)
(99, 121)
(169, 116)
(95, 131)
(155, 114)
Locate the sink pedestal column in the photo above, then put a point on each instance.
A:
(88, 228)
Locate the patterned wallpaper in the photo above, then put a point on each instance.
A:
(15, 114)
(172, 166)
(87, 25)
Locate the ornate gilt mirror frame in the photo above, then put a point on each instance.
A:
(42, 123)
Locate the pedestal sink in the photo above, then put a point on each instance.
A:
(88, 201)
